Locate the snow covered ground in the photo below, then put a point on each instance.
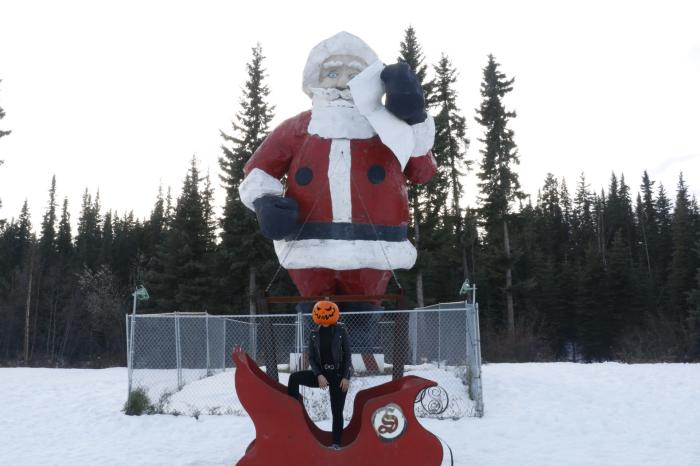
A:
(536, 414)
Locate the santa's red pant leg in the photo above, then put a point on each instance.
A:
(324, 282)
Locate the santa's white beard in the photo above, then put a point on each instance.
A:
(334, 116)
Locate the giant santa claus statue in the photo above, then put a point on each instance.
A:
(339, 219)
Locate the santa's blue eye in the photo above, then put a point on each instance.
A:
(332, 74)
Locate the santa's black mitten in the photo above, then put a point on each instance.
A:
(277, 216)
(404, 94)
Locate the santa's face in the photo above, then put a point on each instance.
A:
(338, 70)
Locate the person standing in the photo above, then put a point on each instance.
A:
(330, 359)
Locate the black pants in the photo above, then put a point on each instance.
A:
(308, 379)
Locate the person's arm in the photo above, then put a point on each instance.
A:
(420, 169)
(262, 191)
(311, 351)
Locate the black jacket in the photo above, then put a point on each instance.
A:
(340, 347)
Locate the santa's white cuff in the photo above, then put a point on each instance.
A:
(258, 184)
(423, 136)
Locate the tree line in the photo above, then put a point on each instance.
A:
(580, 275)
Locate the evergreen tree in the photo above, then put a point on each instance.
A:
(47, 241)
(125, 249)
(155, 226)
(665, 240)
(105, 257)
(244, 253)
(694, 312)
(208, 212)
(87, 241)
(683, 262)
(554, 226)
(64, 238)
(63, 305)
(583, 229)
(411, 53)
(2, 133)
(648, 222)
(2, 115)
(181, 277)
(47, 277)
(450, 149)
(499, 182)
(23, 243)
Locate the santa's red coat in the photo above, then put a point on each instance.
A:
(348, 216)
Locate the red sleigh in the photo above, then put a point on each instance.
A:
(383, 429)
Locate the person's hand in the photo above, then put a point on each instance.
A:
(344, 384)
(322, 382)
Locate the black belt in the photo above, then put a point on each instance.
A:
(350, 231)
(329, 367)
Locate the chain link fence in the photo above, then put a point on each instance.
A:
(182, 360)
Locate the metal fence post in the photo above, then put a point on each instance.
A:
(226, 355)
(477, 354)
(439, 360)
(413, 332)
(129, 353)
(299, 342)
(178, 351)
(206, 324)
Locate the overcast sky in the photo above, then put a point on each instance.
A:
(120, 95)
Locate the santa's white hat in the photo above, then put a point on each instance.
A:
(342, 43)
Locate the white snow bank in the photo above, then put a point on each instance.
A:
(536, 414)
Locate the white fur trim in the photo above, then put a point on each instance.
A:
(424, 136)
(345, 255)
(258, 184)
(367, 90)
(342, 43)
(339, 180)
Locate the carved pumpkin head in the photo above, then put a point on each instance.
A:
(325, 313)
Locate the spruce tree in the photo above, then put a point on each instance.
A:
(451, 143)
(23, 241)
(47, 240)
(181, 277)
(64, 238)
(154, 227)
(411, 53)
(694, 311)
(64, 304)
(583, 229)
(87, 241)
(683, 259)
(648, 223)
(105, 256)
(499, 182)
(2, 115)
(244, 254)
(665, 240)
(2, 133)
(126, 244)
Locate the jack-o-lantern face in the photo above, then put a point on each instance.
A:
(325, 313)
